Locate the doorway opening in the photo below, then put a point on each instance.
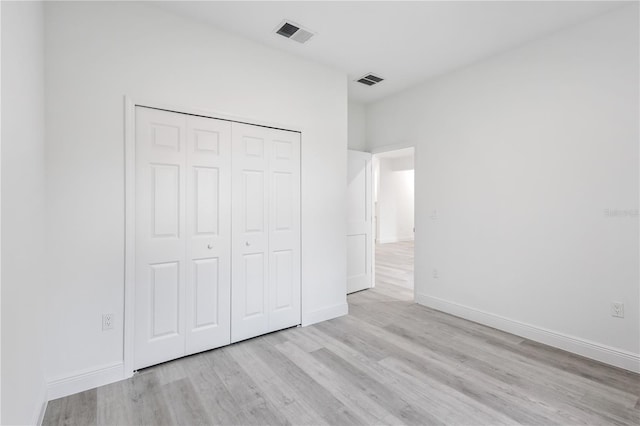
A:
(393, 222)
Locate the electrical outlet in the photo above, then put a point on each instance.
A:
(617, 309)
(435, 273)
(107, 322)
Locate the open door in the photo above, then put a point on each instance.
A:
(359, 230)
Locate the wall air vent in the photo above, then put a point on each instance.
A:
(294, 32)
(370, 79)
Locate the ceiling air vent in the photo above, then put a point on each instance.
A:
(294, 32)
(370, 79)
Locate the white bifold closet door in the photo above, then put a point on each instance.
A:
(217, 233)
(183, 235)
(266, 230)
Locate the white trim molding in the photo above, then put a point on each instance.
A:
(129, 233)
(41, 407)
(325, 314)
(599, 352)
(85, 380)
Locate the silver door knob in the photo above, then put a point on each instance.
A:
(209, 246)
(247, 243)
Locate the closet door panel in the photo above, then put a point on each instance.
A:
(206, 294)
(249, 303)
(284, 230)
(208, 234)
(160, 236)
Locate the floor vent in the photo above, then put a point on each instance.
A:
(370, 79)
(294, 32)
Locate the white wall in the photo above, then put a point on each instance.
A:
(521, 155)
(24, 284)
(356, 139)
(98, 52)
(395, 199)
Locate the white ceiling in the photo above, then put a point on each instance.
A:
(404, 42)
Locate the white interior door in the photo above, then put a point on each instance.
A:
(266, 230)
(284, 230)
(208, 230)
(250, 209)
(359, 230)
(160, 236)
(182, 290)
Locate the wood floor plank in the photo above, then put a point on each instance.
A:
(359, 362)
(112, 395)
(79, 409)
(327, 405)
(280, 393)
(300, 337)
(390, 361)
(219, 403)
(520, 374)
(248, 397)
(170, 372)
(444, 367)
(589, 369)
(378, 392)
(55, 410)
(139, 400)
(538, 379)
(185, 404)
(355, 340)
(345, 391)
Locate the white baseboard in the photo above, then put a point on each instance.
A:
(40, 408)
(89, 379)
(608, 355)
(324, 314)
(85, 380)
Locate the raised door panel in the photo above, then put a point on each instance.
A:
(249, 303)
(208, 290)
(284, 230)
(207, 201)
(284, 292)
(251, 281)
(160, 236)
(164, 300)
(165, 207)
(206, 283)
(253, 210)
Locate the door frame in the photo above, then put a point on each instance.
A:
(130, 201)
(395, 147)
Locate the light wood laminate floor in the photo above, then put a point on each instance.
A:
(394, 269)
(389, 361)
